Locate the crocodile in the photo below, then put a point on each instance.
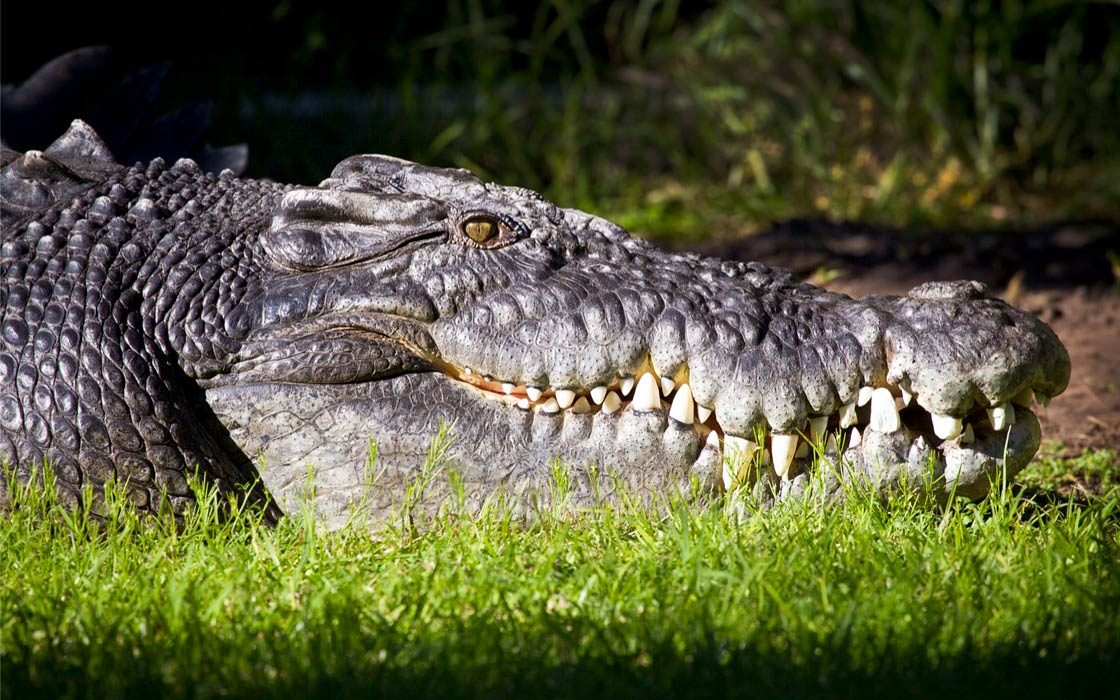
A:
(161, 321)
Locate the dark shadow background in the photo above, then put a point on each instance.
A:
(682, 119)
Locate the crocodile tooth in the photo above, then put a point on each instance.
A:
(737, 455)
(817, 427)
(802, 450)
(467, 371)
(550, 406)
(712, 440)
(946, 427)
(646, 397)
(783, 447)
(598, 394)
(907, 397)
(864, 395)
(848, 416)
(582, 405)
(611, 403)
(683, 408)
(667, 385)
(830, 444)
(533, 393)
(565, 397)
(627, 386)
(730, 478)
(523, 404)
(856, 438)
(507, 388)
(1001, 416)
(733, 445)
(1023, 398)
(702, 413)
(884, 414)
(968, 436)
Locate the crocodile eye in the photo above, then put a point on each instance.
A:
(480, 230)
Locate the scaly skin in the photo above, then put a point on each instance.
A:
(156, 319)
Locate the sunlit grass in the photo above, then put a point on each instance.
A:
(1017, 594)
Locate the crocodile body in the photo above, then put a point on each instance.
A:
(160, 319)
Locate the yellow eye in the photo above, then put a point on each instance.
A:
(480, 230)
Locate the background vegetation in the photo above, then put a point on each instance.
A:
(678, 119)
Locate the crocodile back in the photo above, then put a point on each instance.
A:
(102, 271)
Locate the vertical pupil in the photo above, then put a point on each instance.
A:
(479, 231)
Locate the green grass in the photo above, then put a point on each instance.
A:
(1017, 595)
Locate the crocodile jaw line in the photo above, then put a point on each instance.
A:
(949, 446)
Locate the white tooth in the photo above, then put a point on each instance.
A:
(565, 397)
(683, 408)
(467, 371)
(856, 438)
(783, 448)
(848, 416)
(611, 403)
(581, 405)
(1023, 398)
(817, 426)
(1001, 416)
(946, 427)
(598, 394)
(884, 414)
(702, 413)
(646, 397)
(741, 448)
(667, 386)
(550, 406)
(507, 388)
(533, 393)
(627, 386)
(830, 444)
(802, 450)
(907, 397)
(737, 455)
(712, 439)
(729, 477)
(968, 437)
(523, 404)
(864, 395)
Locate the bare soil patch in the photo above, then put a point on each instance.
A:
(1065, 273)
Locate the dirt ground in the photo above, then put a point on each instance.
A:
(1066, 274)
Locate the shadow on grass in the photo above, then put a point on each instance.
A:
(712, 668)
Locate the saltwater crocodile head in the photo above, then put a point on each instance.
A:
(395, 298)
